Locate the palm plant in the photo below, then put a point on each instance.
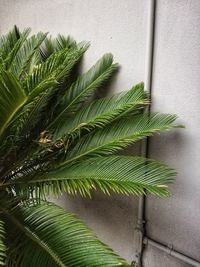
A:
(55, 138)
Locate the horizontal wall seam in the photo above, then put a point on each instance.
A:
(171, 251)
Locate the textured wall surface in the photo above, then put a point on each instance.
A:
(153, 257)
(120, 27)
(176, 79)
(111, 26)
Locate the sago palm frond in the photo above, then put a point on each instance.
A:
(121, 174)
(85, 86)
(119, 135)
(12, 54)
(57, 65)
(8, 41)
(48, 236)
(10, 45)
(102, 111)
(52, 45)
(12, 98)
(27, 56)
(43, 83)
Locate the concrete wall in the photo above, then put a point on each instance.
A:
(176, 89)
(120, 27)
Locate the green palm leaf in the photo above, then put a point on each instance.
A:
(41, 85)
(101, 112)
(12, 98)
(52, 45)
(51, 237)
(2, 244)
(120, 134)
(85, 86)
(27, 56)
(13, 53)
(56, 66)
(7, 43)
(61, 42)
(32, 112)
(25, 113)
(121, 174)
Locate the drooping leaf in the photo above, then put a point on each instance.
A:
(51, 237)
(121, 174)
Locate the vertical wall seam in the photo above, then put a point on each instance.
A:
(140, 225)
(140, 231)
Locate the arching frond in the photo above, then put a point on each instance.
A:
(121, 174)
(120, 134)
(51, 237)
(101, 112)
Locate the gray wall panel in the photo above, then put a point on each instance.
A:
(153, 257)
(176, 79)
(111, 26)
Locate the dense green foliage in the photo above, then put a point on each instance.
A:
(55, 138)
